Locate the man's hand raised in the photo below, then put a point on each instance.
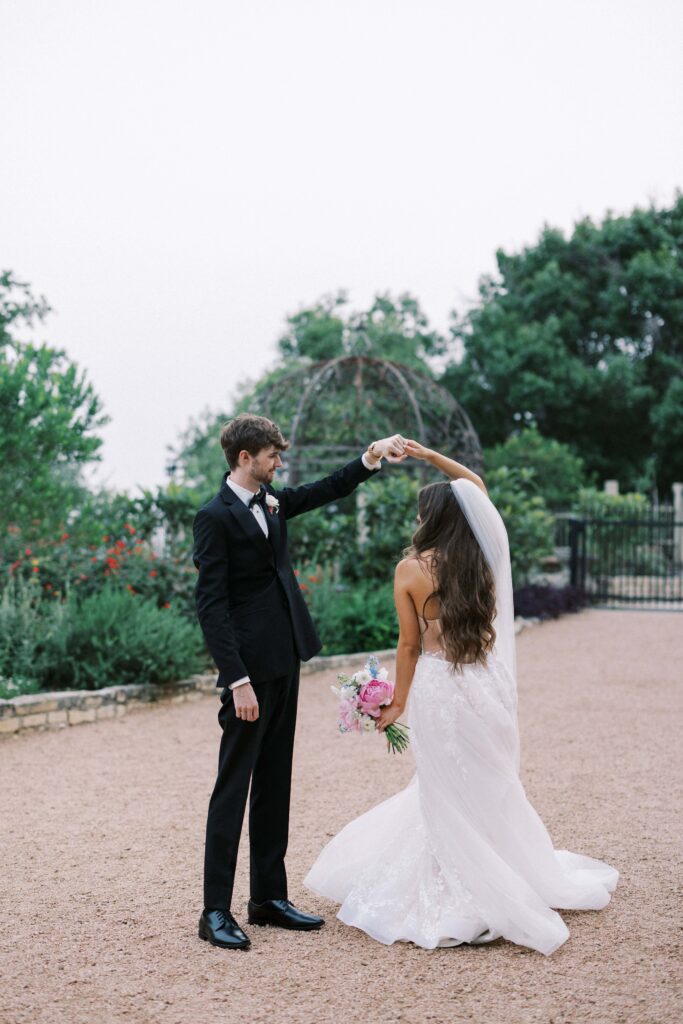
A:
(390, 448)
(246, 704)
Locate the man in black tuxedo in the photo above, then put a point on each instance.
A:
(258, 629)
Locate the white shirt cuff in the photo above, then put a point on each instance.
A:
(239, 682)
(378, 465)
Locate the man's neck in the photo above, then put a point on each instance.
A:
(244, 480)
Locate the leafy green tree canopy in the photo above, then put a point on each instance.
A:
(48, 415)
(392, 328)
(18, 304)
(583, 337)
(197, 460)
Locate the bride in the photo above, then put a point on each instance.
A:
(460, 855)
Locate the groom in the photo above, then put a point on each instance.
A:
(258, 629)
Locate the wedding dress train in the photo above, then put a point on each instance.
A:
(460, 855)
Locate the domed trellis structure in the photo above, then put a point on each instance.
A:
(330, 410)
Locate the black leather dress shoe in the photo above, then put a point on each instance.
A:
(220, 928)
(282, 914)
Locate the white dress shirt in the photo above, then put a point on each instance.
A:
(245, 495)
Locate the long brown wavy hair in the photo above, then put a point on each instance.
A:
(465, 586)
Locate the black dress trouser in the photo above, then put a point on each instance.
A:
(260, 752)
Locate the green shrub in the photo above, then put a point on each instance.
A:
(364, 534)
(325, 535)
(115, 637)
(17, 687)
(558, 472)
(22, 634)
(353, 616)
(109, 638)
(644, 550)
(593, 504)
(530, 527)
(390, 518)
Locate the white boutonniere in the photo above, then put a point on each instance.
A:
(272, 503)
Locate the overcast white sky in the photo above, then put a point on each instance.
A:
(178, 176)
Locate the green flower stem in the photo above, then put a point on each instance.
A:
(397, 737)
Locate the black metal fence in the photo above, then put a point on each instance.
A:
(635, 561)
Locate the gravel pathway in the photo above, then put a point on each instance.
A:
(102, 832)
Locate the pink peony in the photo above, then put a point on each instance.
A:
(374, 695)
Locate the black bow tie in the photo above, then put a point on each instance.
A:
(259, 498)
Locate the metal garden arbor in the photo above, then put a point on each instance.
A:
(330, 410)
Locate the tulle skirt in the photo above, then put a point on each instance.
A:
(459, 855)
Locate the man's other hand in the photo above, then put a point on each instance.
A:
(246, 704)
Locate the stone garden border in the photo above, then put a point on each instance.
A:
(62, 708)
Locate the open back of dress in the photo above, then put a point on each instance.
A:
(431, 635)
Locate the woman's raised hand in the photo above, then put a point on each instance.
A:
(417, 450)
(452, 469)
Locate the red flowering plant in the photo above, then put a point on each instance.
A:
(307, 578)
(140, 551)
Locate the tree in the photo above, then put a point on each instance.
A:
(48, 415)
(316, 332)
(197, 460)
(391, 328)
(18, 303)
(583, 337)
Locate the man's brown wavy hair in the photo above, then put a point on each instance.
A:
(465, 586)
(251, 433)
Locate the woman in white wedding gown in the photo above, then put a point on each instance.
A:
(460, 855)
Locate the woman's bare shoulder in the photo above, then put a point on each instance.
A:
(413, 567)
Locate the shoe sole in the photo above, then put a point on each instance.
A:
(223, 945)
(287, 927)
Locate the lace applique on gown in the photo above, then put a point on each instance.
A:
(460, 854)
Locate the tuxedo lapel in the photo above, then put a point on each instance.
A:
(246, 520)
(273, 521)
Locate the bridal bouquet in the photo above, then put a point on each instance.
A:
(360, 698)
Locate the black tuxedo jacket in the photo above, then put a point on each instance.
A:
(249, 604)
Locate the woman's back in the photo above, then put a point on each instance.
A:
(423, 585)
